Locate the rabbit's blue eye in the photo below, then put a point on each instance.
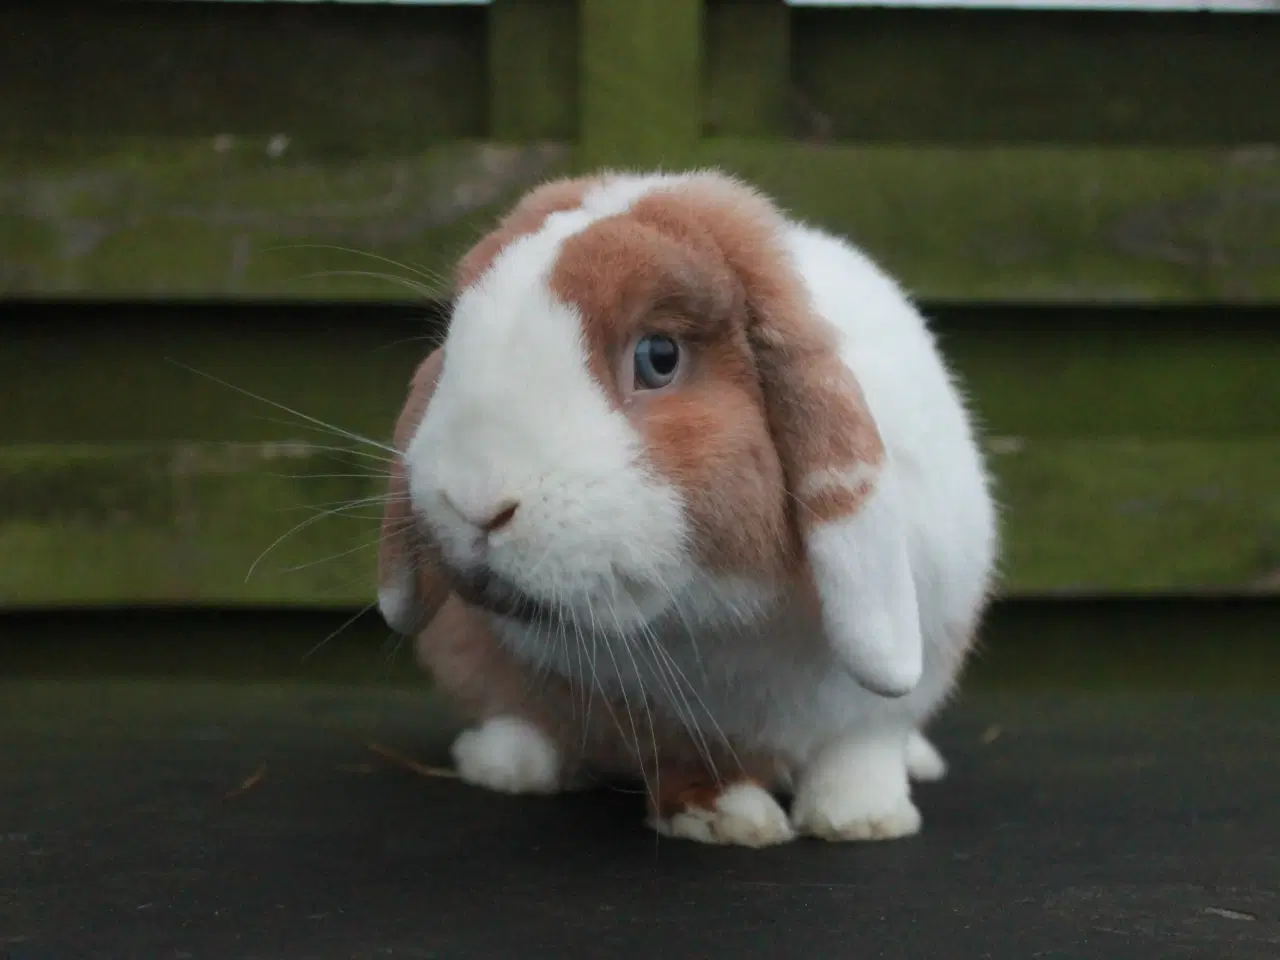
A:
(656, 362)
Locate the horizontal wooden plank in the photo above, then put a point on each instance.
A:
(327, 74)
(101, 375)
(926, 77)
(1137, 516)
(183, 524)
(1041, 224)
(412, 73)
(164, 218)
(196, 523)
(200, 218)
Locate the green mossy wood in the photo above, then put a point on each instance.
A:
(1132, 161)
(266, 523)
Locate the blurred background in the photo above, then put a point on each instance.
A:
(1085, 198)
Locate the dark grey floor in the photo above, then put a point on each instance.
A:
(1108, 826)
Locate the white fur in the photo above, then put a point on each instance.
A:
(744, 815)
(396, 602)
(517, 415)
(857, 789)
(869, 609)
(924, 762)
(508, 755)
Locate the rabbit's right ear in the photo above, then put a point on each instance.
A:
(410, 588)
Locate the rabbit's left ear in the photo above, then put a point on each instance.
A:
(848, 510)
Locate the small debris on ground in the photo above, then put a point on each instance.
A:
(249, 783)
(1230, 914)
(991, 734)
(409, 763)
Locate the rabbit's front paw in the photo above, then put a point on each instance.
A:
(858, 790)
(742, 814)
(509, 755)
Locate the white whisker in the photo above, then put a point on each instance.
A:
(425, 274)
(329, 559)
(421, 289)
(679, 701)
(325, 476)
(358, 614)
(648, 710)
(336, 430)
(297, 528)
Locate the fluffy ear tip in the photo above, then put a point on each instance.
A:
(895, 682)
(885, 658)
(396, 604)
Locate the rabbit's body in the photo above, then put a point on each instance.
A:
(717, 658)
(791, 697)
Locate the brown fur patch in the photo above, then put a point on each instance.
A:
(832, 503)
(525, 218)
(820, 418)
(769, 400)
(655, 270)
(681, 791)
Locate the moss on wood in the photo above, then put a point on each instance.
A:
(533, 62)
(189, 522)
(1042, 225)
(641, 67)
(336, 75)
(223, 218)
(986, 77)
(102, 376)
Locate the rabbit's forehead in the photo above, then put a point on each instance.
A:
(603, 253)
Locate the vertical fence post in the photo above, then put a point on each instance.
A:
(533, 70)
(641, 63)
(745, 78)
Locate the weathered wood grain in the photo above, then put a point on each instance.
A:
(1041, 224)
(533, 63)
(230, 217)
(1134, 159)
(190, 522)
(349, 78)
(1031, 77)
(103, 376)
(641, 65)
(222, 217)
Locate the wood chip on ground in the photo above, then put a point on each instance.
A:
(409, 763)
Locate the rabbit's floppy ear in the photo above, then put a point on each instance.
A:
(410, 589)
(848, 510)
(848, 513)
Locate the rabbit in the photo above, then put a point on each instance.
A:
(688, 495)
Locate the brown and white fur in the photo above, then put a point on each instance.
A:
(761, 577)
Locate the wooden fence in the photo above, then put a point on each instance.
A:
(1088, 203)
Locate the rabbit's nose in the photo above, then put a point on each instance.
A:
(505, 514)
(489, 521)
